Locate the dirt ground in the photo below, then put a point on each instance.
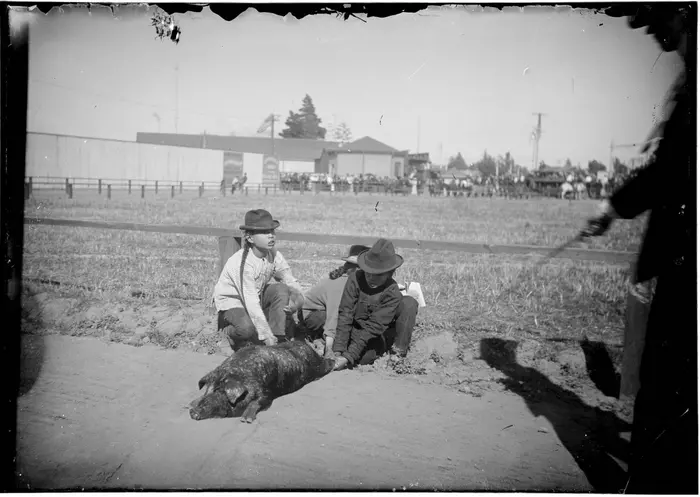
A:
(107, 411)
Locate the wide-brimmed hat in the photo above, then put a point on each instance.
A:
(381, 258)
(354, 251)
(259, 220)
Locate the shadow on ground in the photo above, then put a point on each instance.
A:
(590, 434)
(601, 368)
(32, 344)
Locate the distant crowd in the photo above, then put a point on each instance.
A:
(574, 183)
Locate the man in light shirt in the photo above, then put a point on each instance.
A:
(251, 309)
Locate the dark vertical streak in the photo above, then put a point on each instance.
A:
(14, 49)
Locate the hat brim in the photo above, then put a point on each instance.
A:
(398, 261)
(351, 260)
(275, 224)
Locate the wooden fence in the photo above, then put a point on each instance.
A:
(229, 241)
(107, 185)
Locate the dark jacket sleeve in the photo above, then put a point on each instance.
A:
(375, 325)
(657, 184)
(346, 314)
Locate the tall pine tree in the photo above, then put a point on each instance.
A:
(305, 123)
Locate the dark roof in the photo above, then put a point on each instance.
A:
(370, 145)
(285, 148)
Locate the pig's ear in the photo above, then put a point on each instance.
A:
(207, 380)
(235, 391)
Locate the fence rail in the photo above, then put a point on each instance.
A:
(68, 184)
(228, 236)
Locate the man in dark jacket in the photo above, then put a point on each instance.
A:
(665, 435)
(373, 316)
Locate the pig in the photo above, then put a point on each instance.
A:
(249, 380)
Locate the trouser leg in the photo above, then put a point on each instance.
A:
(664, 439)
(274, 298)
(400, 332)
(313, 323)
(238, 328)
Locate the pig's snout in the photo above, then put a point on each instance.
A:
(194, 414)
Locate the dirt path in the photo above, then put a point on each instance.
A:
(105, 415)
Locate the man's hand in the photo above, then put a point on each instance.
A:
(296, 302)
(340, 363)
(271, 340)
(597, 226)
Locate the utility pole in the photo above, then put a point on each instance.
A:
(272, 133)
(536, 136)
(418, 138)
(177, 96)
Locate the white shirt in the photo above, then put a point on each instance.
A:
(257, 273)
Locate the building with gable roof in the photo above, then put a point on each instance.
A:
(363, 156)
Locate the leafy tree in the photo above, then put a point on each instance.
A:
(594, 166)
(341, 133)
(487, 165)
(305, 123)
(457, 162)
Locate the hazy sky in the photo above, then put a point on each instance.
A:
(473, 79)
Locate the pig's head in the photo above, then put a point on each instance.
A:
(222, 398)
(214, 404)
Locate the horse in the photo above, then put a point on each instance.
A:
(566, 189)
(579, 188)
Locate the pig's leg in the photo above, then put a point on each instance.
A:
(254, 407)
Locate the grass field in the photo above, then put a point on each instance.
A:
(136, 287)
(464, 292)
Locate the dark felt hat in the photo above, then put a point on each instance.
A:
(381, 258)
(354, 251)
(259, 220)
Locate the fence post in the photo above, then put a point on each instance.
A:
(180, 187)
(201, 190)
(258, 187)
(99, 186)
(67, 183)
(70, 190)
(265, 190)
(228, 245)
(274, 189)
(129, 187)
(172, 191)
(26, 190)
(246, 191)
(109, 191)
(156, 187)
(31, 184)
(143, 191)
